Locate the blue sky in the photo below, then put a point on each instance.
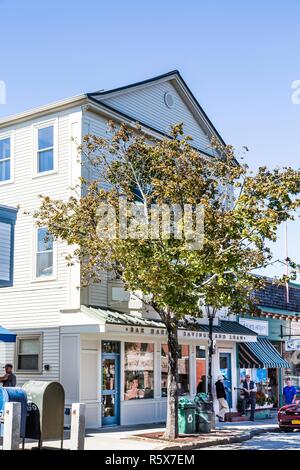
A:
(239, 59)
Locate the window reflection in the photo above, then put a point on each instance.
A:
(108, 406)
(201, 369)
(108, 374)
(183, 369)
(111, 347)
(139, 371)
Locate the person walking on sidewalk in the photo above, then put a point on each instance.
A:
(222, 399)
(249, 396)
(289, 392)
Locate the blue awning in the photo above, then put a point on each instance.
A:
(7, 336)
(260, 354)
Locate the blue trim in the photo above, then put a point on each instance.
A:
(8, 215)
(111, 420)
(7, 336)
(227, 376)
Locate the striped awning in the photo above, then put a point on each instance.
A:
(261, 354)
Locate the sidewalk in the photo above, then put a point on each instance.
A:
(132, 438)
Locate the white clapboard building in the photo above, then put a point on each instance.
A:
(99, 342)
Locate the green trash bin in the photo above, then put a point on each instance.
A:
(203, 421)
(203, 413)
(186, 417)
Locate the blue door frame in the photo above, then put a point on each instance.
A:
(225, 360)
(110, 397)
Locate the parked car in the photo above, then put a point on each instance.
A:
(289, 417)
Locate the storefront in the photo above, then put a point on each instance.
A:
(117, 363)
(263, 361)
(292, 352)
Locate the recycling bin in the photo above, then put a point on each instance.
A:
(186, 417)
(13, 394)
(203, 413)
(45, 410)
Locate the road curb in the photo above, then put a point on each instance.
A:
(243, 436)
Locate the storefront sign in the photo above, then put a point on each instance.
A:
(295, 328)
(261, 327)
(292, 344)
(182, 334)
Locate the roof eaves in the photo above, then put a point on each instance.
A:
(136, 84)
(146, 126)
(200, 109)
(42, 110)
(278, 311)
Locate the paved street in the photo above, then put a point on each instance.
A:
(268, 441)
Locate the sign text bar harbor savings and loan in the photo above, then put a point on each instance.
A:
(182, 334)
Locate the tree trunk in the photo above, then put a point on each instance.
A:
(172, 392)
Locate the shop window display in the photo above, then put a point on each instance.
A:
(293, 357)
(266, 383)
(139, 371)
(201, 369)
(183, 369)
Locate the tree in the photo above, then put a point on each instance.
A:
(181, 272)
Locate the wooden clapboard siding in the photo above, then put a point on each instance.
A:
(147, 106)
(32, 304)
(96, 125)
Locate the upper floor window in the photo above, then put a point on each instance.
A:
(45, 149)
(5, 159)
(44, 254)
(7, 222)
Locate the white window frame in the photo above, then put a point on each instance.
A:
(39, 337)
(35, 132)
(10, 136)
(194, 365)
(53, 277)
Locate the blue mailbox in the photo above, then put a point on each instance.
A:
(14, 394)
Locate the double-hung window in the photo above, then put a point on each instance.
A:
(44, 254)
(5, 159)
(7, 225)
(45, 148)
(29, 353)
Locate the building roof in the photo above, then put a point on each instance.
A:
(227, 327)
(274, 297)
(173, 74)
(279, 311)
(106, 315)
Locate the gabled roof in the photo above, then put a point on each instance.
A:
(179, 84)
(100, 101)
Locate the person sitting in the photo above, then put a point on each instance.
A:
(249, 396)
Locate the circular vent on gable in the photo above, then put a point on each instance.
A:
(169, 100)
